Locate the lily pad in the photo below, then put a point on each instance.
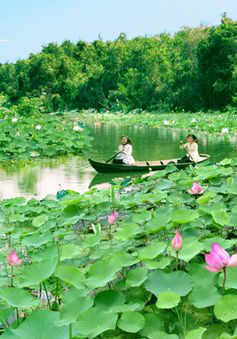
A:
(131, 322)
(136, 277)
(154, 322)
(40, 220)
(196, 334)
(71, 275)
(39, 324)
(151, 251)
(177, 282)
(109, 300)
(102, 272)
(167, 300)
(93, 322)
(184, 216)
(17, 297)
(37, 273)
(71, 311)
(226, 309)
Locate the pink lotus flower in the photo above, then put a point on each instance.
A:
(112, 218)
(177, 242)
(13, 259)
(218, 258)
(196, 189)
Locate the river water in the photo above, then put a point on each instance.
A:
(149, 143)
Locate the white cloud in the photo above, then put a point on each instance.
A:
(3, 40)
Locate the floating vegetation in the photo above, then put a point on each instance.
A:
(126, 262)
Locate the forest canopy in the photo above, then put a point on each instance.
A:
(195, 69)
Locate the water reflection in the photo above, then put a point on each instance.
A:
(75, 173)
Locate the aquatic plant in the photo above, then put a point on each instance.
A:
(80, 281)
(37, 136)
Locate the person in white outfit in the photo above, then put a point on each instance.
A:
(192, 149)
(125, 152)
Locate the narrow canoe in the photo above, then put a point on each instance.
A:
(142, 166)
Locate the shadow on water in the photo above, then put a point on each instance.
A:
(101, 178)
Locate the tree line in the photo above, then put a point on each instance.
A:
(195, 69)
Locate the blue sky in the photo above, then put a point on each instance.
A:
(26, 25)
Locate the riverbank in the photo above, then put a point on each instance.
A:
(215, 123)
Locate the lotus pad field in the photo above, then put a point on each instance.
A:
(216, 122)
(40, 136)
(107, 263)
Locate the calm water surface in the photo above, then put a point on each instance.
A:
(149, 143)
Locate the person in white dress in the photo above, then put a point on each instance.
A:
(192, 149)
(125, 152)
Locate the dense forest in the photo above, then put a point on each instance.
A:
(195, 69)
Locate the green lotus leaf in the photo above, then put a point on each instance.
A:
(154, 322)
(164, 184)
(47, 252)
(160, 220)
(225, 308)
(102, 272)
(131, 322)
(35, 274)
(17, 297)
(91, 240)
(73, 293)
(204, 199)
(126, 231)
(40, 220)
(229, 336)
(204, 296)
(225, 162)
(151, 251)
(154, 264)
(201, 276)
(71, 221)
(220, 217)
(191, 248)
(162, 335)
(184, 216)
(203, 174)
(154, 197)
(37, 240)
(109, 300)
(167, 300)
(141, 217)
(233, 219)
(232, 189)
(124, 259)
(71, 275)
(136, 277)
(17, 218)
(6, 312)
(70, 251)
(71, 311)
(39, 324)
(93, 322)
(177, 282)
(231, 281)
(196, 334)
(224, 243)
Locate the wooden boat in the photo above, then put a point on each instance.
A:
(142, 166)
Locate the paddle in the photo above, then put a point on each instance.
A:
(112, 157)
(189, 155)
(191, 167)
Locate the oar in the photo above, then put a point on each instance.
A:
(189, 155)
(112, 157)
(191, 167)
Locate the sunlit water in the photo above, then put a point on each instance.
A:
(75, 173)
